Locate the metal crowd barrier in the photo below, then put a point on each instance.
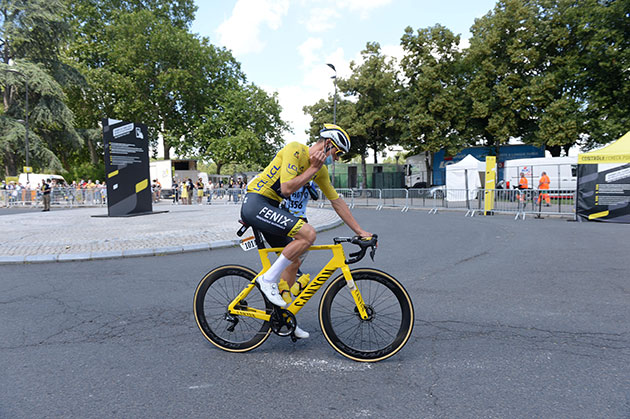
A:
(472, 201)
(59, 196)
(221, 196)
(508, 201)
(534, 202)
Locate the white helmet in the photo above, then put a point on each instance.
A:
(337, 135)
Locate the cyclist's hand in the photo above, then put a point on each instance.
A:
(364, 234)
(317, 159)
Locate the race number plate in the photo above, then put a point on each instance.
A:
(248, 243)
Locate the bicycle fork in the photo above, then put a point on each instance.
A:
(356, 294)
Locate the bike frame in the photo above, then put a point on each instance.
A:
(337, 261)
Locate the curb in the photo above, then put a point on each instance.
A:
(130, 253)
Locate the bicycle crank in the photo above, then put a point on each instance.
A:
(282, 322)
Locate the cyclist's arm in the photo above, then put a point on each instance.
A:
(341, 208)
(291, 184)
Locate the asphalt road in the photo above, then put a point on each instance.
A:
(514, 319)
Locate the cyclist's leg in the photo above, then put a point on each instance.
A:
(263, 213)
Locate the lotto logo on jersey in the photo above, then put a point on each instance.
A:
(274, 217)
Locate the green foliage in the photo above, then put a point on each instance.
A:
(85, 171)
(31, 35)
(143, 68)
(244, 128)
(368, 111)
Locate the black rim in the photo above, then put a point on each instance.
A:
(215, 292)
(389, 321)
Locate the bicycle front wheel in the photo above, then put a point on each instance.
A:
(390, 316)
(217, 289)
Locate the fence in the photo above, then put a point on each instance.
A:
(517, 202)
(509, 201)
(59, 196)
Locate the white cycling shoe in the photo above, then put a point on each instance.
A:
(270, 289)
(301, 334)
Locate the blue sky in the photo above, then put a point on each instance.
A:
(284, 45)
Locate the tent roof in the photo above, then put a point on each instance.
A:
(617, 152)
(468, 162)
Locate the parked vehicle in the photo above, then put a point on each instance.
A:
(37, 178)
(562, 172)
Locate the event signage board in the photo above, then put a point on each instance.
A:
(604, 192)
(491, 175)
(127, 168)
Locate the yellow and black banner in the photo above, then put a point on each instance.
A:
(127, 168)
(603, 192)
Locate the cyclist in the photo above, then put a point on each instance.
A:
(293, 166)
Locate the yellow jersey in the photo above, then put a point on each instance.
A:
(290, 162)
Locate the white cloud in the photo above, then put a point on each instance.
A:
(362, 7)
(322, 19)
(308, 51)
(241, 31)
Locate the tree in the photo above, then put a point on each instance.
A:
(434, 82)
(244, 127)
(369, 112)
(503, 58)
(31, 33)
(601, 33)
(550, 72)
(156, 73)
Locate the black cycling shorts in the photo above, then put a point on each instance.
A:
(277, 225)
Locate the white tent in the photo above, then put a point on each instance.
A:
(461, 175)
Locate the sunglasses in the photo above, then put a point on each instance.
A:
(338, 152)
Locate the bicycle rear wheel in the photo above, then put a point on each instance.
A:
(388, 326)
(216, 290)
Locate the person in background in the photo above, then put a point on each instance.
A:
(522, 186)
(158, 190)
(543, 185)
(46, 194)
(190, 189)
(175, 192)
(210, 190)
(184, 187)
(200, 189)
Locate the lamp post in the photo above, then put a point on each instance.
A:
(335, 97)
(334, 113)
(25, 118)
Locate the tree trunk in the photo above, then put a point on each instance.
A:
(93, 157)
(219, 165)
(10, 167)
(554, 150)
(167, 152)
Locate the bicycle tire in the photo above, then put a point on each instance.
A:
(216, 290)
(391, 316)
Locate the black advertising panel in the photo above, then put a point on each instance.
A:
(604, 192)
(126, 168)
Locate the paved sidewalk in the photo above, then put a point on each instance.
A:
(75, 234)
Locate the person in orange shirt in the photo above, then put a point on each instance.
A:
(543, 185)
(522, 186)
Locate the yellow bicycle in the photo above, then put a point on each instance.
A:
(365, 314)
